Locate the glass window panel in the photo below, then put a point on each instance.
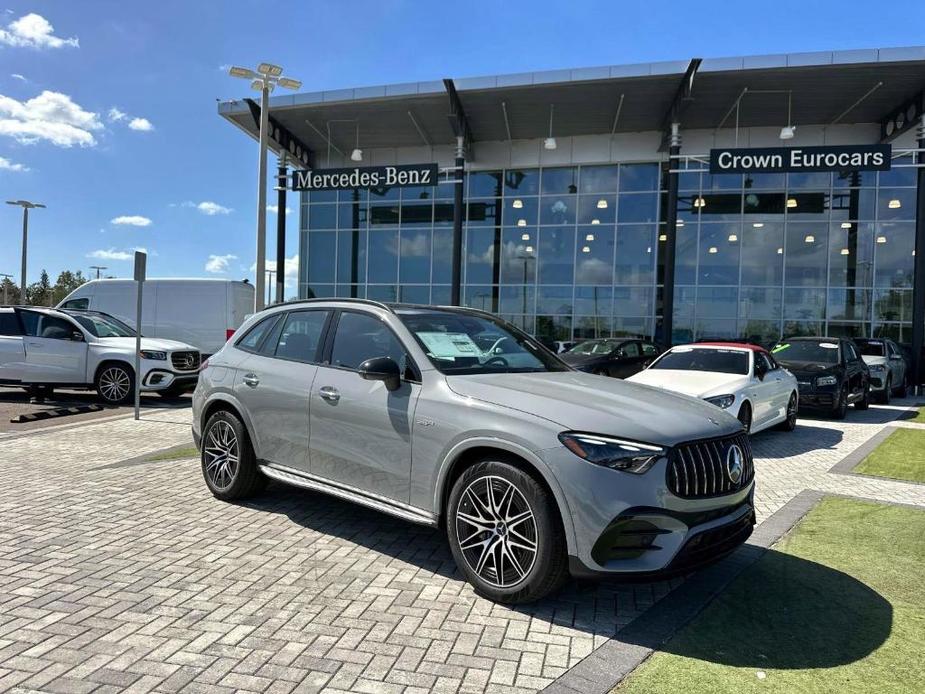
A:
(848, 304)
(685, 268)
(808, 206)
(559, 181)
(553, 327)
(806, 251)
(893, 246)
(682, 331)
(689, 207)
(637, 207)
(898, 332)
(351, 256)
(803, 328)
(319, 291)
(440, 294)
(639, 177)
(443, 213)
(719, 254)
(635, 259)
(383, 255)
(557, 209)
(761, 332)
(417, 214)
(722, 181)
(521, 182)
(633, 301)
(383, 193)
(351, 215)
(517, 299)
(896, 203)
(351, 290)
(354, 194)
(442, 254)
(483, 212)
(444, 190)
(518, 255)
(764, 203)
(484, 184)
(715, 329)
(556, 255)
(761, 263)
(479, 296)
(591, 327)
(690, 181)
(594, 301)
(841, 329)
(520, 211)
(480, 255)
(717, 302)
(598, 179)
(762, 303)
(322, 217)
(594, 256)
(321, 195)
(804, 304)
(851, 254)
(854, 179)
(765, 181)
(382, 292)
(554, 300)
(716, 207)
(892, 304)
(417, 193)
(414, 293)
(414, 257)
(684, 300)
(597, 209)
(632, 327)
(321, 246)
(384, 215)
(854, 203)
(303, 216)
(901, 173)
(802, 181)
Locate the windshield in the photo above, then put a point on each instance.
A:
(595, 347)
(700, 359)
(872, 348)
(805, 350)
(103, 326)
(463, 344)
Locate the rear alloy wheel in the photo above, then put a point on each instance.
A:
(745, 416)
(115, 383)
(790, 423)
(504, 534)
(841, 407)
(228, 462)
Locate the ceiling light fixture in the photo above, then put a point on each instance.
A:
(758, 225)
(733, 238)
(595, 221)
(894, 204)
(810, 238)
(528, 249)
(517, 204)
(525, 237)
(789, 130)
(881, 239)
(699, 202)
(791, 202)
(679, 224)
(780, 251)
(589, 237)
(663, 237)
(845, 251)
(714, 249)
(586, 249)
(846, 225)
(521, 222)
(550, 142)
(602, 204)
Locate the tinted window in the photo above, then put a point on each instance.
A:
(649, 349)
(360, 337)
(77, 304)
(630, 349)
(874, 348)
(596, 347)
(254, 337)
(9, 324)
(690, 359)
(99, 325)
(52, 327)
(824, 352)
(852, 353)
(765, 363)
(301, 335)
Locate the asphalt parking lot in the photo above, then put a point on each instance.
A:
(122, 573)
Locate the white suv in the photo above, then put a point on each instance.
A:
(88, 349)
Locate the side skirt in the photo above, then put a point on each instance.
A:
(301, 479)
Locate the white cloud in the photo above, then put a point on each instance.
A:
(291, 268)
(116, 115)
(50, 116)
(17, 76)
(207, 207)
(140, 124)
(219, 263)
(7, 165)
(274, 209)
(224, 68)
(134, 220)
(34, 31)
(111, 254)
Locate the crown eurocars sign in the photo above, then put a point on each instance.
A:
(397, 176)
(801, 159)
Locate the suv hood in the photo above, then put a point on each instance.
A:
(697, 384)
(807, 368)
(596, 404)
(871, 360)
(154, 343)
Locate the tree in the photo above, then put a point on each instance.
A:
(67, 282)
(39, 293)
(9, 292)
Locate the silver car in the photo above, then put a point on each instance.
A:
(451, 417)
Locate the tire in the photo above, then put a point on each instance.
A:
(841, 407)
(115, 383)
(527, 563)
(790, 423)
(903, 390)
(229, 466)
(886, 394)
(745, 416)
(864, 402)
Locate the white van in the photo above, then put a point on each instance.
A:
(203, 313)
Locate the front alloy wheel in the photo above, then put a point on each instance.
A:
(115, 384)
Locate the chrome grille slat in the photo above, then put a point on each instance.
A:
(698, 469)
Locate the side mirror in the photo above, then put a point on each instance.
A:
(77, 336)
(381, 369)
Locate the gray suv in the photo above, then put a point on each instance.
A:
(451, 417)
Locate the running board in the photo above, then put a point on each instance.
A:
(298, 478)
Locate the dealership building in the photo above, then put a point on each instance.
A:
(736, 197)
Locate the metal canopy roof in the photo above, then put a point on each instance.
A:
(823, 85)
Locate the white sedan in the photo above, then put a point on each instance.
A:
(744, 380)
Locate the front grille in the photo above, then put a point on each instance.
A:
(699, 469)
(185, 361)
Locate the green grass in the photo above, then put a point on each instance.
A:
(836, 606)
(919, 416)
(901, 456)
(173, 454)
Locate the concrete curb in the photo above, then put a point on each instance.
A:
(610, 663)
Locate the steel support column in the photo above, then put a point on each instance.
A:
(671, 233)
(460, 178)
(282, 181)
(918, 292)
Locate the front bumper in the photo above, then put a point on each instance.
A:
(877, 381)
(162, 379)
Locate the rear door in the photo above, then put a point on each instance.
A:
(52, 353)
(854, 369)
(12, 352)
(895, 363)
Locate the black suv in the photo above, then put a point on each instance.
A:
(829, 371)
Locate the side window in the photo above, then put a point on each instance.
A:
(52, 327)
(254, 337)
(772, 361)
(649, 349)
(630, 349)
(77, 304)
(761, 358)
(9, 324)
(301, 335)
(360, 337)
(852, 353)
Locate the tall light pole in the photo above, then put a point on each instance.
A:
(26, 206)
(6, 298)
(98, 268)
(270, 285)
(266, 77)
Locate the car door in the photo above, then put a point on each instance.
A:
(778, 387)
(650, 352)
(895, 363)
(274, 383)
(12, 352)
(55, 349)
(854, 370)
(626, 359)
(760, 390)
(361, 431)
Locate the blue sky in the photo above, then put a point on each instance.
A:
(110, 117)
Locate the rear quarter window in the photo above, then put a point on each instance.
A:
(9, 324)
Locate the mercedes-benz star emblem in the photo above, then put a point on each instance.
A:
(188, 361)
(734, 463)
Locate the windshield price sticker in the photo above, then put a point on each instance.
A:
(450, 345)
(828, 345)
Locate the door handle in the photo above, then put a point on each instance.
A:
(251, 380)
(329, 393)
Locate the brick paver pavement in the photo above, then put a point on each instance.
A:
(120, 575)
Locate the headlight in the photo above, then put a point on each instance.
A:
(617, 454)
(826, 381)
(722, 401)
(877, 367)
(153, 354)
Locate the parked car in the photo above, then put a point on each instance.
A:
(888, 368)
(87, 349)
(534, 469)
(199, 312)
(612, 356)
(742, 379)
(829, 371)
(561, 346)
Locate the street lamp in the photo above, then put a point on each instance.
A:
(264, 79)
(271, 273)
(26, 206)
(98, 268)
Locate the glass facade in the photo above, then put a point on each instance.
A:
(576, 251)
